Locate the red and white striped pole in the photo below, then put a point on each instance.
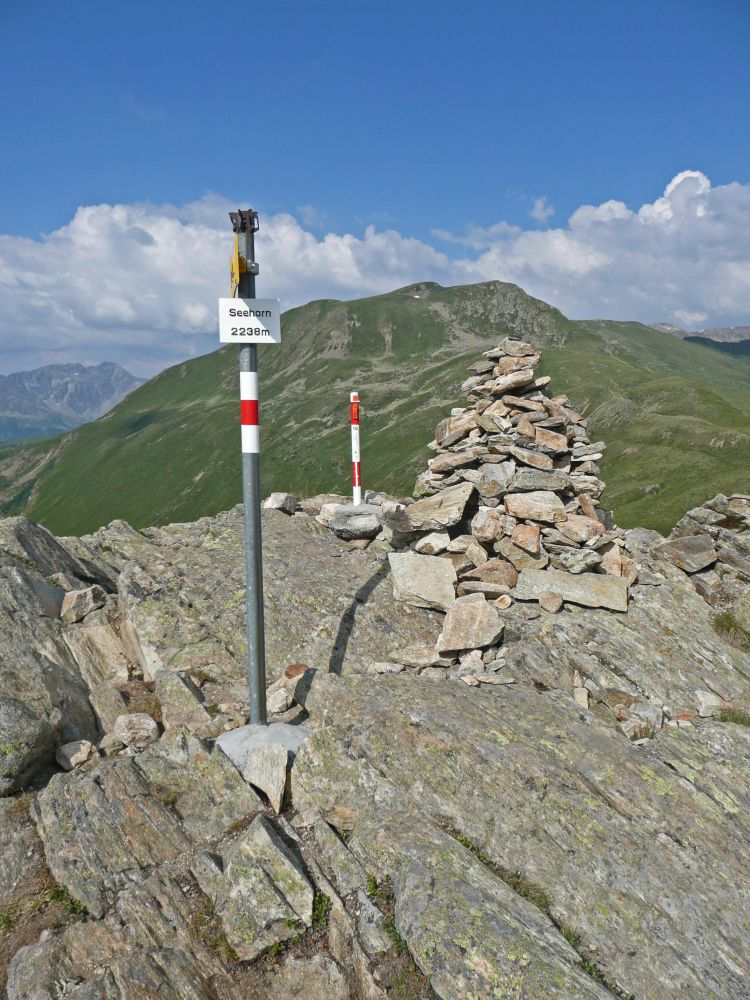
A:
(249, 413)
(245, 225)
(356, 467)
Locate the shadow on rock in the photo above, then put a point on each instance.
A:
(346, 625)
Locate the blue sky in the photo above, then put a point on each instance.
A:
(437, 121)
(417, 115)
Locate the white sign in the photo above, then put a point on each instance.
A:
(249, 321)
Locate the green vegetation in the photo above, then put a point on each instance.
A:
(166, 794)
(675, 415)
(321, 910)
(18, 809)
(51, 898)
(518, 882)
(534, 894)
(730, 629)
(142, 700)
(60, 895)
(398, 972)
(739, 716)
(382, 894)
(208, 929)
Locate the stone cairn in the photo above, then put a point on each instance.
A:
(508, 512)
(510, 502)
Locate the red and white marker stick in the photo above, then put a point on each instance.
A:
(249, 413)
(356, 467)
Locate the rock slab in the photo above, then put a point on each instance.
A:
(422, 581)
(589, 589)
(471, 623)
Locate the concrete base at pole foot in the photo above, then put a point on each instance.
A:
(238, 744)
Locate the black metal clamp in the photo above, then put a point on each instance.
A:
(245, 220)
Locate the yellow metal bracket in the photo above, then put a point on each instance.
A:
(237, 266)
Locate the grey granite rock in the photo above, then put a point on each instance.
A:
(260, 891)
(284, 502)
(536, 506)
(471, 623)
(422, 581)
(183, 601)
(79, 603)
(362, 521)
(441, 511)
(691, 553)
(589, 589)
(654, 839)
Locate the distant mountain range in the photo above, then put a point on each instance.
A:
(731, 340)
(55, 398)
(675, 415)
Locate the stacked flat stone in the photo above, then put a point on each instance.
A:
(509, 504)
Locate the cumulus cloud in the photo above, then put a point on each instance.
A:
(541, 210)
(138, 283)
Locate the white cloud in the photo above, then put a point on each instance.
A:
(541, 210)
(311, 216)
(138, 283)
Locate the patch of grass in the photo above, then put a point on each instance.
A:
(141, 698)
(591, 968)
(200, 676)
(321, 910)
(389, 926)
(280, 947)
(208, 929)
(166, 794)
(106, 548)
(382, 893)
(649, 733)
(18, 810)
(39, 904)
(727, 626)
(397, 971)
(736, 715)
(238, 825)
(572, 938)
(409, 983)
(61, 895)
(373, 887)
(517, 882)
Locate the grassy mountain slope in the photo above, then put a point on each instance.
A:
(675, 415)
(736, 349)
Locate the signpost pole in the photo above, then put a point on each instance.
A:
(356, 464)
(245, 225)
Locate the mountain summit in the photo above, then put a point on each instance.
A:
(56, 398)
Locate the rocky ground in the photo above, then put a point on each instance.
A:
(523, 781)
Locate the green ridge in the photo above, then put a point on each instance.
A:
(675, 415)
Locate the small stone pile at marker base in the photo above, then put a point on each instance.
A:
(508, 511)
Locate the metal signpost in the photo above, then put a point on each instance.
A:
(248, 321)
(356, 464)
